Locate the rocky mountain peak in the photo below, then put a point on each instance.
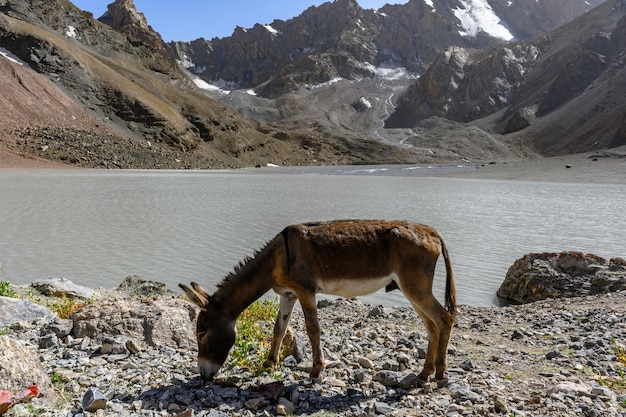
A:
(123, 16)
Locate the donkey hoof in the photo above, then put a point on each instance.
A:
(423, 376)
(442, 383)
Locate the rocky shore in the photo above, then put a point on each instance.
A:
(132, 353)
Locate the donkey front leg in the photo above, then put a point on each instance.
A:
(309, 308)
(280, 328)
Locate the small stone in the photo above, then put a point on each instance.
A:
(48, 341)
(132, 346)
(375, 312)
(383, 408)
(517, 335)
(553, 354)
(324, 302)
(366, 363)
(396, 379)
(94, 400)
(467, 365)
(285, 407)
(500, 405)
(391, 365)
(336, 382)
(255, 404)
(290, 362)
(603, 393)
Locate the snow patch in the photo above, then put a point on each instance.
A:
(476, 16)
(389, 71)
(186, 62)
(270, 29)
(71, 32)
(365, 103)
(430, 3)
(213, 88)
(208, 87)
(326, 84)
(9, 55)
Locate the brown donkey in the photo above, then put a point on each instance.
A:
(344, 257)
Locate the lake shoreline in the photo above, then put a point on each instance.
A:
(606, 166)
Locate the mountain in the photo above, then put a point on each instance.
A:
(342, 70)
(107, 94)
(561, 93)
(429, 80)
(342, 40)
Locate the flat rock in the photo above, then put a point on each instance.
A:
(13, 310)
(60, 287)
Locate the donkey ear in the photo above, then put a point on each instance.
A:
(199, 289)
(199, 298)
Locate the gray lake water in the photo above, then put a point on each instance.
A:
(97, 227)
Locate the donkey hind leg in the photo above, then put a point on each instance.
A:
(309, 308)
(439, 323)
(280, 328)
(433, 345)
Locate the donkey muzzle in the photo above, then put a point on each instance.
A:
(207, 369)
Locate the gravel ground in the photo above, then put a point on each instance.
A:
(551, 358)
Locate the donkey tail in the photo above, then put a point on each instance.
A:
(450, 297)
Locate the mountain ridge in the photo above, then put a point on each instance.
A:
(131, 86)
(417, 82)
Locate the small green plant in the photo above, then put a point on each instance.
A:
(65, 306)
(254, 327)
(55, 378)
(616, 382)
(620, 353)
(6, 290)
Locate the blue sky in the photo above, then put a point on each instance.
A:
(186, 20)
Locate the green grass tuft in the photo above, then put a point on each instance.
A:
(6, 290)
(254, 334)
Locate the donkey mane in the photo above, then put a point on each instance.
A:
(244, 266)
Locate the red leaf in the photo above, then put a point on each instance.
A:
(30, 392)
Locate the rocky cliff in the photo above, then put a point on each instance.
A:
(123, 16)
(566, 85)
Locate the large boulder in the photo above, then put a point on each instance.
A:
(20, 367)
(538, 276)
(13, 310)
(156, 321)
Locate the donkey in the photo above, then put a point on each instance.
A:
(347, 258)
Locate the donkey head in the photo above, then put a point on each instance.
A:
(215, 332)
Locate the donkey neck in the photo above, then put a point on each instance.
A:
(250, 280)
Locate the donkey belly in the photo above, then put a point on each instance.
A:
(352, 287)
